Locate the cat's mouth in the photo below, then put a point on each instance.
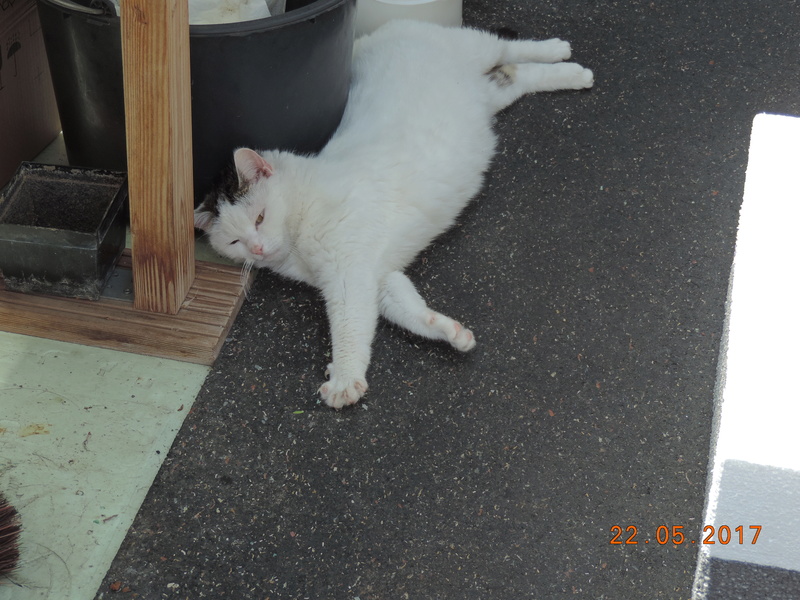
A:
(258, 252)
(270, 257)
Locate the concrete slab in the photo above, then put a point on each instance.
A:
(754, 490)
(83, 433)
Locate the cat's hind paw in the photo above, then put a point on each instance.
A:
(338, 393)
(555, 50)
(582, 78)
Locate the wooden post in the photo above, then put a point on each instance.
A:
(196, 313)
(155, 60)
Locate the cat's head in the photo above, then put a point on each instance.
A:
(243, 219)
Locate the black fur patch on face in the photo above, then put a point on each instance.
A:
(226, 189)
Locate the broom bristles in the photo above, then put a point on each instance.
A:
(10, 527)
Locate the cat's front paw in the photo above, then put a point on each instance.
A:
(462, 338)
(459, 336)
(340, 392)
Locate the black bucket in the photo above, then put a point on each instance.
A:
(279, 82)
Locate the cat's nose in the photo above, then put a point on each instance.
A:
(258, 249)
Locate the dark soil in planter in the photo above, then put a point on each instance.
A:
(62, 229)
(54, 199)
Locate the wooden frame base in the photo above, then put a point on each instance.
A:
(195, 334)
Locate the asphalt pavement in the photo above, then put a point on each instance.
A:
(593, 269)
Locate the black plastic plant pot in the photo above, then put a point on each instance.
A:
(275, 83)
(62, 229)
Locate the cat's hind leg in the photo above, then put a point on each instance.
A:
(401, 304)
(485, 49)
(511, 81)
(544, 51)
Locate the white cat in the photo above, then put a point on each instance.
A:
(409, 154)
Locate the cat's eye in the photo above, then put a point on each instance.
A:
(259, 219)
(234, 242)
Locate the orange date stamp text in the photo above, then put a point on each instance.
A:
(664, 534)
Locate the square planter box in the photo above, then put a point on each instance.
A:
(62, 229)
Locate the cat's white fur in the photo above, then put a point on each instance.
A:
(410, 153)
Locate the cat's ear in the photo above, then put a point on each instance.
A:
(203, 217)
(250, 165)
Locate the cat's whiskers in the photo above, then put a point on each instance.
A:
(247, 267)
(296, 252)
